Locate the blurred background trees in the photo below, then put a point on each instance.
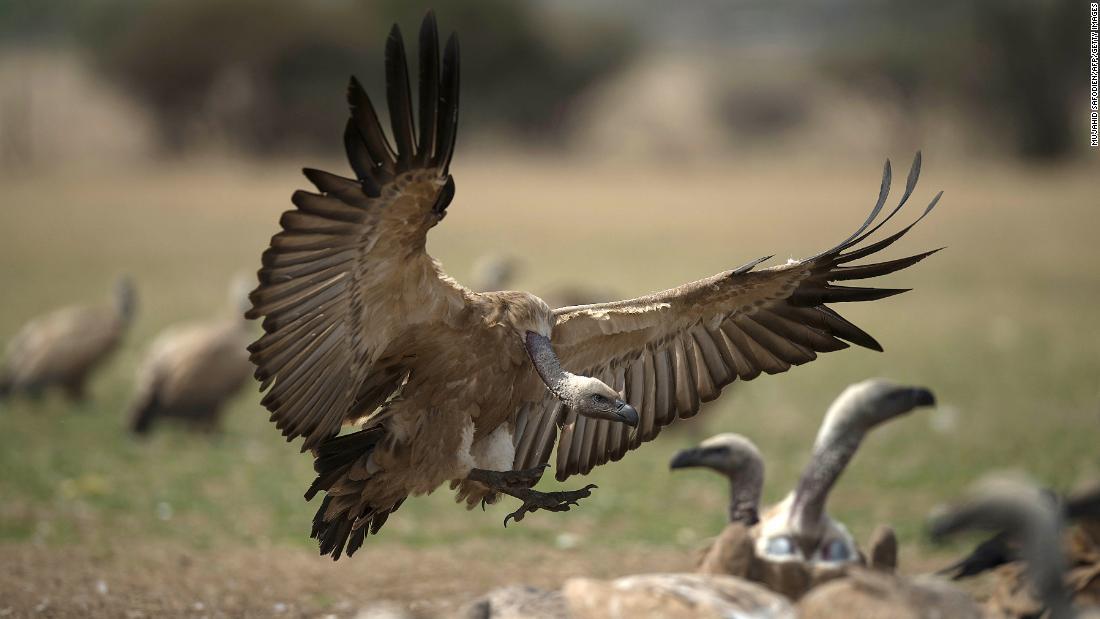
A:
(262, 77)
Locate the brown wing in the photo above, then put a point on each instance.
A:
(672, 350)
(348, 274)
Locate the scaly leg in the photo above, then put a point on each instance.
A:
(517, 484)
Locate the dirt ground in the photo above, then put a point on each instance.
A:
(159, 581)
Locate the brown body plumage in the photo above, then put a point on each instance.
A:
(664, 595)
(63, 348)
(361, 325)
(190, 371)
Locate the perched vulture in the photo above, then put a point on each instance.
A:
(795, 545)
(1081, 508)
(64, 347)
(1003, 504)
(667, 596)
(1020, 510)
(1005, 555)
(191, 371)
(362, 325)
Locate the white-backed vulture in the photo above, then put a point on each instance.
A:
(64, 347)
(1081, 508)
(796, 545)
(1005, 555)
(673, 596)
(191, 371)
(662, 595)
(873, 594)
(1003, 504)
(362, 325)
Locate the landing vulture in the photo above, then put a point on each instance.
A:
(447, 384)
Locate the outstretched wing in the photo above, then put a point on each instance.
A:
(672, 350)
(348, 275)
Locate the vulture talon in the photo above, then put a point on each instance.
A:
(533, 500)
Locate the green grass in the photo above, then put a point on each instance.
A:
(1001, 325)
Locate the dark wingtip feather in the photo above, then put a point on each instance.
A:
(429, 89)
(748, 266)
(448, 105)
(399, 97)
(355, 91)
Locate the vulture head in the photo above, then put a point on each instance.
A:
(737, 458)
(592, 397)
(587, 396)
(806, 530)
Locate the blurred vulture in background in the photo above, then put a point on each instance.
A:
(1004, 556)
(63, 348)
(663, 595)
(191, 371)
(447, 384)
(1013, 507)
(495, 272)
(795, 545)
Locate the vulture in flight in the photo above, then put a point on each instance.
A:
(362, 326)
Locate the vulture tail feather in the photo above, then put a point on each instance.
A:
(343, 532)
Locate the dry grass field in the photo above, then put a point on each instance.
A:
(1002, 325)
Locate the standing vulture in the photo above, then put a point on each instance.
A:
(362, 325)
(191, 371)
(65, 346)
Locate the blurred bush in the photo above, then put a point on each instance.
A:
(1015, 68)
(267, 76)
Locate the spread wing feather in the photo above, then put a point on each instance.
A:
(672, 350)
(333, 291)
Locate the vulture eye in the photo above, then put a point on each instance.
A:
(599, 399)
(782, 546)
(836, 551)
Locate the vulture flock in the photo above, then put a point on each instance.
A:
(486, 389)
(188, 374)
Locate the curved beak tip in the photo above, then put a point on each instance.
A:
(682, 460)
(628, 415)
(924, 397)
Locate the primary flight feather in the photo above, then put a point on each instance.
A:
(447, 384)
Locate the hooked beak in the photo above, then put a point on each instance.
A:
(923, 397)
(626, 414)
(685, 458)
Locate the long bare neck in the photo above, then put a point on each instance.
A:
(827, 463)
(745, 492)
(546, 363)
